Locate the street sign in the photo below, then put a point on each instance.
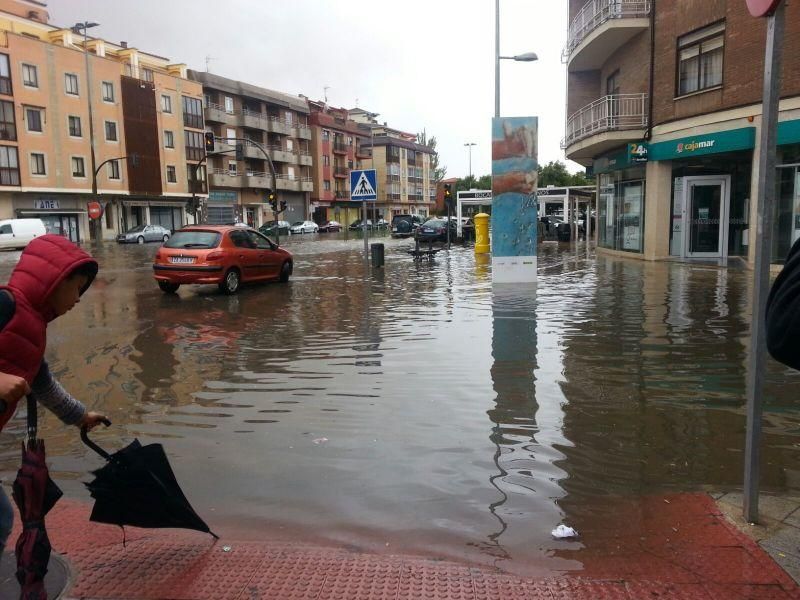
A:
(95, 210)
(363, 185)
(762, 8)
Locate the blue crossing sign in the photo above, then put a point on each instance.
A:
(363, 185)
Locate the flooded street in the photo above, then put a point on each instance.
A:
(414, 408)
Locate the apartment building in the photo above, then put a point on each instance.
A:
(664, 106)
(257, 118)
(138, 100)
(339, 145)
(406, 182)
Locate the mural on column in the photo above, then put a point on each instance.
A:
(514, 212)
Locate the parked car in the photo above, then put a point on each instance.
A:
(330, 226)
(219, 254)
(404, 225)
(358, 225)
(381, 224)
(304, 227)
(435, 230)
(269, 228)
(17, 233)
(144, 233)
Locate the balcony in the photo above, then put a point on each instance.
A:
(342, 195)
(290, 184)
(253, 119)
(302, 132)
(306, 159)
(339, 148)
(364, 152)
(278, 125)
(605, 124)
(257, 179)
(278, 154)
(600, 28)
(307, 185)
(224, 178)
(215, 113)
(340, 172)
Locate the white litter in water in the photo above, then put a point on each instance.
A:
(320, 440)
(226, 548)
(564, 532)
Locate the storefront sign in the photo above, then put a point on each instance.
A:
(46, 204)
(223, 196)
(701, 145)
(637, 152)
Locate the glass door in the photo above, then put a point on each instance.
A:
(706, 217)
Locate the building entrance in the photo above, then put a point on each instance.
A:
(706, 210)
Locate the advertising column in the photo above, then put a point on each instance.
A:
(514, 212)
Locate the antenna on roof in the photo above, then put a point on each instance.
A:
(325, 92)
(208, 60)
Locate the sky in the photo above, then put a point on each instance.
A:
(423, 65)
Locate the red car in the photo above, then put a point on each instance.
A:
(225, 255)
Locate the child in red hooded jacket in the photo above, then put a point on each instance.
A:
(48, 281)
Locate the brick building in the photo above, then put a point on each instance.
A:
(664, 106)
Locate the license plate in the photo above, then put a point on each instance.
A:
(181, 259)
(394, 229)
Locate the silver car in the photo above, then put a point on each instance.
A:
(144, 233)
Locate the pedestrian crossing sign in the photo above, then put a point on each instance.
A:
(363, 185)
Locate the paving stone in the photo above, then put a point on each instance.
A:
(774, 507)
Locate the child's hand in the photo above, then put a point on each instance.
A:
(91, 420)
(12, 388)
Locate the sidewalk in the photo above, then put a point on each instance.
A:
(687, 549)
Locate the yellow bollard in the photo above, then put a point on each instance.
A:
(481, 233)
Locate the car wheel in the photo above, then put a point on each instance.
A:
(168, 288)
(165, 238)
(286, 271)
(230, 285)
(140, 240)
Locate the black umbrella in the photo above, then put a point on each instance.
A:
(137, 487)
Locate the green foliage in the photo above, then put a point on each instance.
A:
(555, 173)
(438, 172)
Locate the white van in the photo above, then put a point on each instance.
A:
(16, 233)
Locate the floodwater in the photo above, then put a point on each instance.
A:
(416, 409)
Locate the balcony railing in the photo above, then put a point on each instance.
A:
(597, 12)
(340, 147)
(610, 113)
(340, 171)
(342, 195)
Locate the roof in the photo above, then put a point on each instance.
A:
(392, 141)
(239, 88)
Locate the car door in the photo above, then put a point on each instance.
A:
(148, 233)
(269, 260)
(246, 254)
(6, 236)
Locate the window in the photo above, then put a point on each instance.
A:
(37, 164)
(349, 140)
(9, 166)
(228, 104)
(231, 167)
(111, 131)
(8, 126)
(5, 79)
(147, 74)
(33, 119)
(71, 84)
(612, 84)
(326, 160)
(166, 104)
(289, 117)
(30, 76)
(327, 185)
(108, 91)
(74, 126)
(169, 139)
(113, 170)
(194, 145)
(326, 135)
(700, 57)
(620, 215)
(192, 112)
(78, 168)
(172, 176)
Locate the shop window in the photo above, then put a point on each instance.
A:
(71, 84)
(700, 58)
(620, 215)
(9, 166)
(8, 126)
(111, 131)
(108, 91)
(74, 126)
(78, 166)
(166, 104)
(38, 166)
(5, 75)
(30, 76)
(787, 213)
(33, 119)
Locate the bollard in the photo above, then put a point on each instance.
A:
(377, 254)
(481, 233)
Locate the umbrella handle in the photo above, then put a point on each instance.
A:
(85, 439)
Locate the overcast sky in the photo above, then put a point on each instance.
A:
(422, 64)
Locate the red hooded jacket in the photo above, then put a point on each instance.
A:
(46, 261)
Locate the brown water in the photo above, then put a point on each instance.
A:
(414, 408)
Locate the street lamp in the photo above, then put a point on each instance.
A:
(470, 145)
(527, 57)
(77, 29)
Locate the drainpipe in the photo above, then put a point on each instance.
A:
(649, 133)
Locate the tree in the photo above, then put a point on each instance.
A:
(555, 173)
(437, 172)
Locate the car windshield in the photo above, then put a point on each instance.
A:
(297, 223)
(138, 229)
(435, 223)
(194, 239)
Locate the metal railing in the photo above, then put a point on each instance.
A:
(597, 12)
(610, 113)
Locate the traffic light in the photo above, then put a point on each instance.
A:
(448, 196)
(273, 202)
(283, 205)
(239, 151)
(209, 142)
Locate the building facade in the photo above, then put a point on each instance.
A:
(46, 136)
(257, 118)
(664, 106)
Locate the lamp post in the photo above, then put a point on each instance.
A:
(93, 233)
(527, 57)
(470, 145)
